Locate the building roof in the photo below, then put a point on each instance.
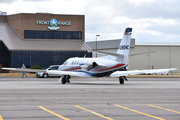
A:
(15, 43)
(111, 44)
(158, 43)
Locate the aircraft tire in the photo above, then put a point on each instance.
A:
(121, 80)
(67, 79)
(63, 81)
(45, 75)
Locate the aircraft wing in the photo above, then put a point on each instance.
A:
(26, 70)
(138, 72)
(61, 73)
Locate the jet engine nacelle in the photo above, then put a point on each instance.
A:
(92, 65)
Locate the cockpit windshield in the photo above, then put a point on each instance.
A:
(65, 63)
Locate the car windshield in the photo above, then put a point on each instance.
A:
(51, 67)
(54, 68)
(45, 68)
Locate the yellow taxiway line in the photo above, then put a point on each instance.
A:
(64, 118)
(94, 112)
(164, 108)
(140, 112)
(1, 117)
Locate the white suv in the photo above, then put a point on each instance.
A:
(45, 74)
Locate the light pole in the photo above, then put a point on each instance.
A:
(96, 43)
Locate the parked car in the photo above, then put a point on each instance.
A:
(45, 74)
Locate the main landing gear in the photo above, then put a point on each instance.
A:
(121, 79)
(65, 79)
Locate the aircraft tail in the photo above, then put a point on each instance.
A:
(124, 47)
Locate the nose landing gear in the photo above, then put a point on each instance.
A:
(65, 79)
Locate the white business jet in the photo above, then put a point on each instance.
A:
(112, 65)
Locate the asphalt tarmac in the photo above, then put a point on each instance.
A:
(90, 99)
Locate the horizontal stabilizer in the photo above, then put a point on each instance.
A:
(138, 72)
(115, 54)
(107, 53)
(142, 53)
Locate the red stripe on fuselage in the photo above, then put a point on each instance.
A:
(73, 69)
(116, 66)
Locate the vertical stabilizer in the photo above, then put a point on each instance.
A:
(124, 46)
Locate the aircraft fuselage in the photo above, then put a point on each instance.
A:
(95, 67)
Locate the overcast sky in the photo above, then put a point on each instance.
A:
(151, 20)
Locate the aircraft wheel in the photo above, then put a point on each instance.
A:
(45, 75)
(67, 79)
(63, 81)
(121, 80)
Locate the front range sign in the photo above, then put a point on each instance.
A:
(53, 23)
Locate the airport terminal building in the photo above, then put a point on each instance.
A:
(41, 39)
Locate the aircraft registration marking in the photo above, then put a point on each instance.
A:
(93, 112)
(64, 118)
(164, 109)
(140, 112)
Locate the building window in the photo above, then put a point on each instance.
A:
(58, 34)
(16, 59)
(46, 61)
(38, 34)
(34, 34)
(77, 35)
(35, 59)
(75, 54)
(67, 35)
(66, 55)
(48, 34)
(26, 60)
(4, 55)
(28, 34)
(42, 58)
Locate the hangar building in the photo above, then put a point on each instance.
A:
(41, 39)
(166, 55)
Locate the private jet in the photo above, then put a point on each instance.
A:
(110, 65)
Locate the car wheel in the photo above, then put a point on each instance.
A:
(45, 75)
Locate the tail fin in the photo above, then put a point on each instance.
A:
(124, 46)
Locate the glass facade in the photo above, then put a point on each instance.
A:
(4, 55)
(38, 34)
(43, 58)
